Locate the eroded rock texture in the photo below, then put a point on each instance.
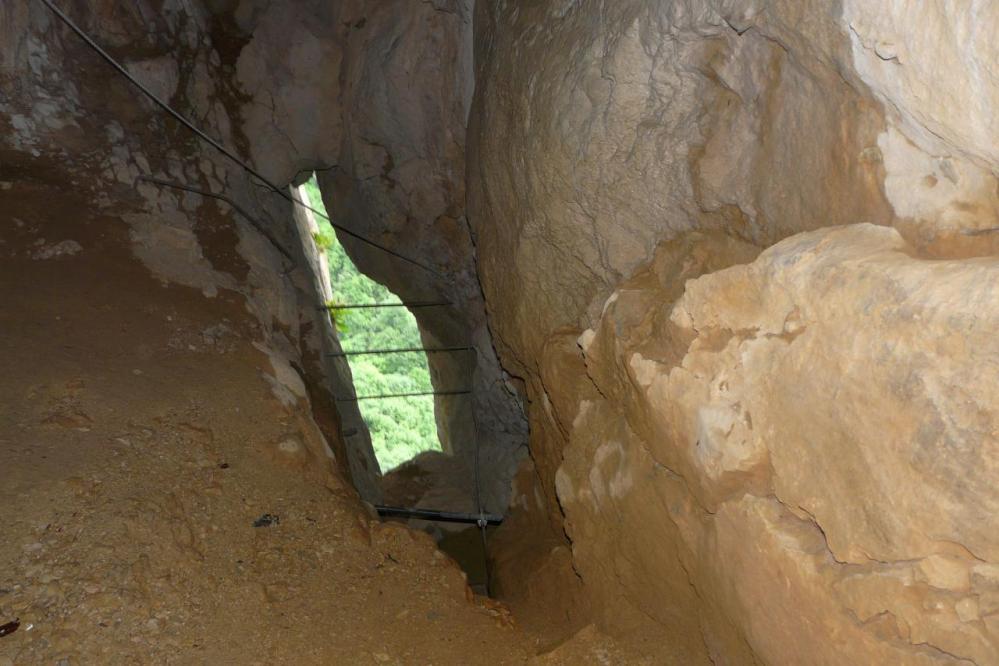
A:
(372, 95)
(821, 447)
(738, 256)
(406, 82)
(785, 459)
(67, 118)
(375, 96)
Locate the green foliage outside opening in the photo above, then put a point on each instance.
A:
(400, 427)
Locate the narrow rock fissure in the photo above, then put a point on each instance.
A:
(366, 319)
(392, 387)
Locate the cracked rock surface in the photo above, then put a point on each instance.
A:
(817, 444)
(742, 256)
(737, 262)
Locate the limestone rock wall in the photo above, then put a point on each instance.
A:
(375, 97)
(739, 257)
(785, 459)
(407, 84)
(67, 118)
(640, 120)
(813, 433)
(372, 95)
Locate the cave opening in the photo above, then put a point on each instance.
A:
(393, 389)
(718, 283)
(405, 411)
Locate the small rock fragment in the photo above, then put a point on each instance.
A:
(267, 520)
(10, 627)
(65, 248)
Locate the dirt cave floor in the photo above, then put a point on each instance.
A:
(139, 445)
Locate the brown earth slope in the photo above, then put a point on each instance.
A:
(139, 444)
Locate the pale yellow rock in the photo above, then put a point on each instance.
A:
(789, 459)
(935, 64)
(945, 572)
(967, 609)
(813, 435)
(934, 67)
(889, 357)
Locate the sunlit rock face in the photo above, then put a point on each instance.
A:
(784, 459)
(935, 69)
(814, 435)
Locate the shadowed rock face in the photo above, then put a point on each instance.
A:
(737, 257)
(786, 460)
(68, 119)
(407, 85)
(388, 85)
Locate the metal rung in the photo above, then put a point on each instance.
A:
(401, 395)
(407, 350)
(413, 304)
(441, 516)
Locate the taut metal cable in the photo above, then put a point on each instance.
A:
(433, 514)
(407, 350)
(215, 144)
(408, 304)
(401, 395)
(235, 206)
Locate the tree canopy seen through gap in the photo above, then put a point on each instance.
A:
(400, 427)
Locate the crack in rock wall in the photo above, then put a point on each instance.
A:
(775, 458)
(375, 97)
(406, 83)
